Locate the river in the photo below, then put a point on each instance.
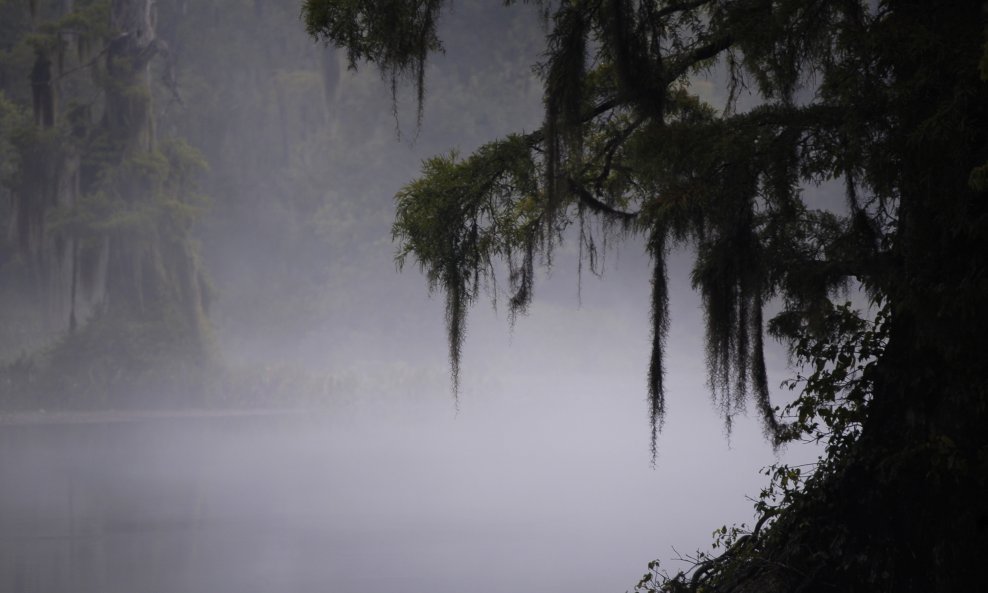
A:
(504, 495)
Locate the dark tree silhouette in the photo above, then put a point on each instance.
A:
(889, 98)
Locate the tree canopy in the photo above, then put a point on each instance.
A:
(888, 99)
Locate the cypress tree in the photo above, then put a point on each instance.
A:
(888, 98)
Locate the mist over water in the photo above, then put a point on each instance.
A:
(539, 481)
(503, 496)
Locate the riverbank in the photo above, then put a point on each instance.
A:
(43, 417)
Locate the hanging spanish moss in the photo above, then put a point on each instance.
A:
(628, 38)
(730, 278)
(521, 278)
(397, 36)
(623, 142)
(456, 302)
(660, 330)
(564, 98)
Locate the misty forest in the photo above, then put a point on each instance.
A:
(659, 296)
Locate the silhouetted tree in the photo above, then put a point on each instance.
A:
(890, 99)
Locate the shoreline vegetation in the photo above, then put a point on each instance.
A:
(228, 387)
(110, 416)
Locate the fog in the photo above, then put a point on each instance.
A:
(540, 479)
(537, 476)
(540, 490)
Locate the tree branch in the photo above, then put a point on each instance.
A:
(597, 206)
(700, 54)
(681, 7)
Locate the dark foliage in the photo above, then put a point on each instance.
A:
(889, 99)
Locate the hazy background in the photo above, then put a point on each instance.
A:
(539, 479)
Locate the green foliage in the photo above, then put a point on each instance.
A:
(88, 21)
(103, 212)
(643, 156)
(887, 99)
(487, 204)
(397, 36)
(840, 357)
(113, 361)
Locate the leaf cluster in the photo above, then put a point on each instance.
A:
(397, 36)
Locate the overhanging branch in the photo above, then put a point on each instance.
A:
(598, 206)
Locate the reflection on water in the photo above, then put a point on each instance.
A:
(498, 499)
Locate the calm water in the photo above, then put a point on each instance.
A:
(499, 497)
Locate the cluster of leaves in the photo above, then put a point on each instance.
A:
(398, 36)
(832, 398)
(486, 205)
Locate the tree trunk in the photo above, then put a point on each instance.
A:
(926, 432)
